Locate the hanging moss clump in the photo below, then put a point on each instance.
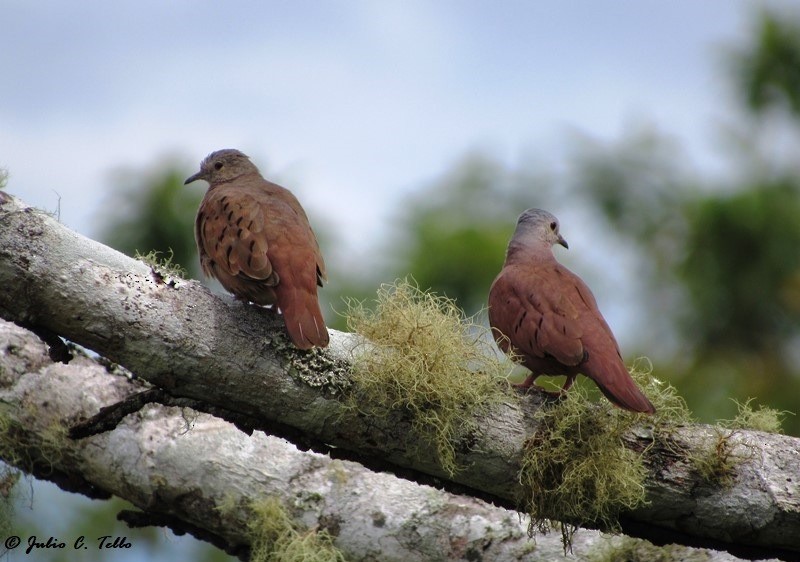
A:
(576, 469)
(716, 463)
(423, 356)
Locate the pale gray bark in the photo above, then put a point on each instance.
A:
(175, 334)
(187, 465)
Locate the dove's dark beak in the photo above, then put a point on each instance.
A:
(563, 242)
(197, 176)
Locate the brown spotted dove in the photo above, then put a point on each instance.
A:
(254, 237)
(548, 316)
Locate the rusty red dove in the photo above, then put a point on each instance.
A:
(548, 316)
(254, 238)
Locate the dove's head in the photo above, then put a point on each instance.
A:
(538, 227)
(222, 166)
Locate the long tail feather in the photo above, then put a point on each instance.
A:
(616, 384)
(303, 319)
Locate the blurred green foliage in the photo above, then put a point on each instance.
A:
(719, 265)
(741, 269)
(730, 246)
(151, 211)
(457, 229)
(768, 69)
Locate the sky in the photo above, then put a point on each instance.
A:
(354, 105)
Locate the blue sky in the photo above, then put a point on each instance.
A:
(352, 104)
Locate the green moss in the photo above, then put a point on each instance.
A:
(15, 449)
(337, 472)
(276, 537)
(765, 419)
(636, 550)
(164, 265)
(3, 178)
(576, 469)
(525, 550)
(716, 462)
(54, 441)
(671, 409)
(19, 448)
(421, 355)
(8, 480)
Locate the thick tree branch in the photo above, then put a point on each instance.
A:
(194, 473)
(182, 467)
(176, 335)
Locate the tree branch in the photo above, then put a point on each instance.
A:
(174, 334)
(195, 473)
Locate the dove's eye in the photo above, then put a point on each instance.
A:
(217, 165)
(553, 226)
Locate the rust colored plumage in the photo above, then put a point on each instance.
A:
(254, 237)
(549, 317)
